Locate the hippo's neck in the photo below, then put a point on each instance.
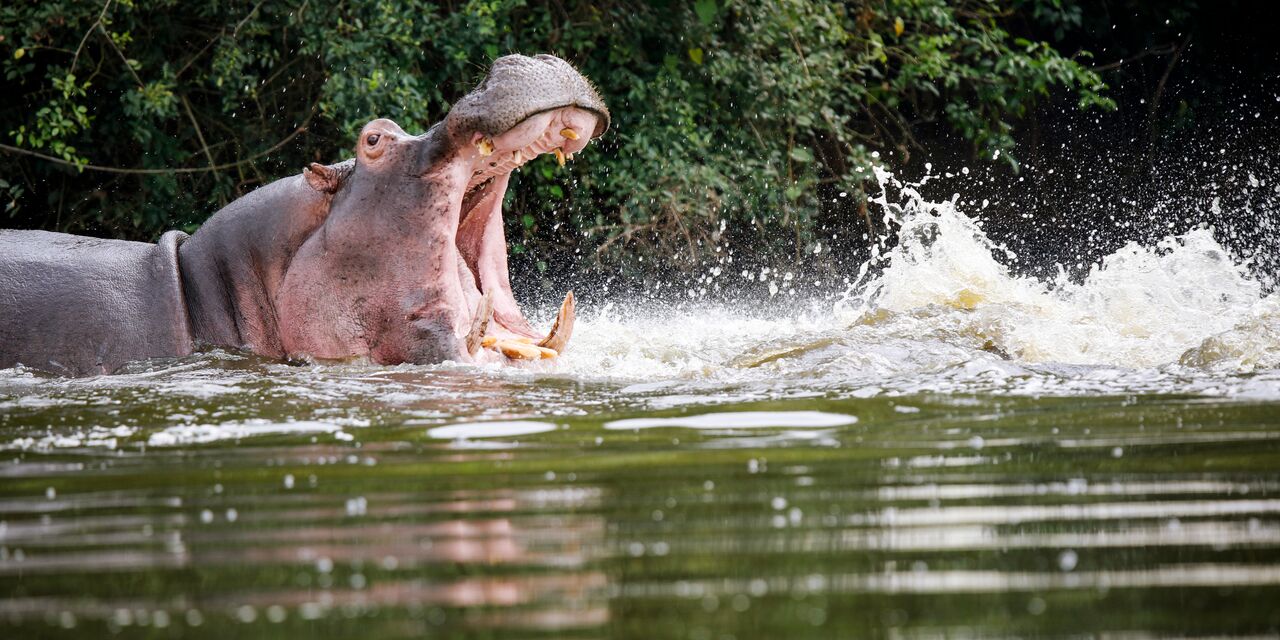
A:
(232, 266)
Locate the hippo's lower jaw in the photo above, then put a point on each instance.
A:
(497, 323)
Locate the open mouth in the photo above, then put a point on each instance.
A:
(498, 323)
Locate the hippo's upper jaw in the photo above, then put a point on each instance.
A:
(410, 262)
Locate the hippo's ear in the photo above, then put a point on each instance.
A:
(323, 179)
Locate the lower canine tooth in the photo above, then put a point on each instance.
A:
(520, 351)
(479, 324)
(485, 147)
(488, 341)
(559, 156)
(562, 330)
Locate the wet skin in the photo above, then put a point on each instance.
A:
(397, 255)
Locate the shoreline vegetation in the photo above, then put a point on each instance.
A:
(737, 124)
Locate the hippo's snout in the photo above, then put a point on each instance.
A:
(519, 87)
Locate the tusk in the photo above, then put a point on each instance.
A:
(485, 146)
(562, 330)
(559, 156)
(520, 351)
(480, 324)
(488, 341)
(570, 134)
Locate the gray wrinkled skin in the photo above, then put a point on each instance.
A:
(81, 306)
(357, 259)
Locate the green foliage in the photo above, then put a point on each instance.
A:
(733, 119)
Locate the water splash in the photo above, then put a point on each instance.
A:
(944, 304)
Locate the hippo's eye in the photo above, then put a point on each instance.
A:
(372, 139)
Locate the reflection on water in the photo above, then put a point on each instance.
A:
(411, 502)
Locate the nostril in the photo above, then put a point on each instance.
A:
(372, 139)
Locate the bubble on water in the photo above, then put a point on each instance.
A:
(357, 506)
(1036, 606)
(1067, 560)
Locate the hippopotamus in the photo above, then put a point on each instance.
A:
(395, 256)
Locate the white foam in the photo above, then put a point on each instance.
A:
(943, 311)
(205, 433)
(497, 429)
(96, 437)
(739, 420)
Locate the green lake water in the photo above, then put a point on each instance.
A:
(223, 497)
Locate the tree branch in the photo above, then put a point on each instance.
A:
(96, 23)
(1173, 62)
(204, 146)
(230, 165)
(1161, 50)
(123, 58)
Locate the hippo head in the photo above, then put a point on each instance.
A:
(410, 261)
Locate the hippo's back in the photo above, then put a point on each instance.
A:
(82, 306)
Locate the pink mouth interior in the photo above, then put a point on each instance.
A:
(480, 239)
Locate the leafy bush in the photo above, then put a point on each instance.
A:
(735, 121)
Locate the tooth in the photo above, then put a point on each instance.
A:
(562, 330)
(520, 351)
(488, 341)
(570, 134)
(517, 157)
(485, 146)
(480, 323)
(559, 156)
